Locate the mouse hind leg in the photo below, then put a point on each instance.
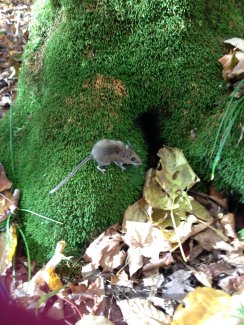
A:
(101, 168)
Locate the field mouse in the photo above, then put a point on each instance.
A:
(106, 152)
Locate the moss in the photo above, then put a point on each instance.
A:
(92, 68)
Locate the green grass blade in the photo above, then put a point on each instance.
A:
(236, 108)
(27, 253)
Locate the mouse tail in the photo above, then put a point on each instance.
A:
(65, 180)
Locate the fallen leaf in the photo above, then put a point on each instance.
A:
(204, 306)
(94, 320)
(5, 184)
(207, 239)
(236, 42)
(8, 244)
(232, 284)
(106, 250)
(228, 223)
(7, 204)
(136, 212)
(179, 285)
(174, 173)
(141, 311)
(143, 240)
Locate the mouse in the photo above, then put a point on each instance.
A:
(106, 152)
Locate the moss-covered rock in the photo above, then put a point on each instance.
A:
(91, 70)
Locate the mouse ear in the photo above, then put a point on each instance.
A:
(128, 146)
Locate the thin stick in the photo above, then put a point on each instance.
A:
(222, 236)
(178, 238)
(39, 215)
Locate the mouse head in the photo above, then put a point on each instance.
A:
(130, 157)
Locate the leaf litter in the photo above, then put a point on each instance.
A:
(135, 272)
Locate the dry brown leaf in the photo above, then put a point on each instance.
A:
(204, 306)
(8, 244)
(5, 184)
(143, 240)
(228, 223)
(235, 258)
(204, 278)
(136, 212)
(106, 250)
(121, 279)
(236, 42)
(165, 260)
(141, 311)
(46, 275)
(7, 204)
(94, 320)
(238, 70)
(207, 239)
(153, 279)
(228, 62)
(232, 284)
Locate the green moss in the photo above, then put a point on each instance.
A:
(92, 68)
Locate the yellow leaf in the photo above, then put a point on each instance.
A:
(204, 306)
(54, 282)
(8, 246)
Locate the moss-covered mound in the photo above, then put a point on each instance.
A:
(91, 70)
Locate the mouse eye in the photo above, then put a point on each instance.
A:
(133, 159)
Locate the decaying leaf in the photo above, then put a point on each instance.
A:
(143, 240)
(8, 244)
(47, 275)
(174, 173)
(179, 285)
(233, 283)
(206, 306)
(141, 311)
(165, 192)
(94, 320)
(5, 184)
(90, 296)
(236, 42)
(7, 204)
(106, 250)
(228, 223)
(136, 212)
(207, 239)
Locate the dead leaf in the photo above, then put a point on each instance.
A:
(8, 244)
(141, 311)
(106, 250)
(228, 62)
(228, 223)
(207, 239)
(204, 278)
(164, 260)
(179, 285)
(5, 184)
(94, 320)
(136, 212)
(153, 279)
(236, 42)
(7, 204)
(143, 240)
(204, 306)
(232, 284)
(174, 173)
(198, 310)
